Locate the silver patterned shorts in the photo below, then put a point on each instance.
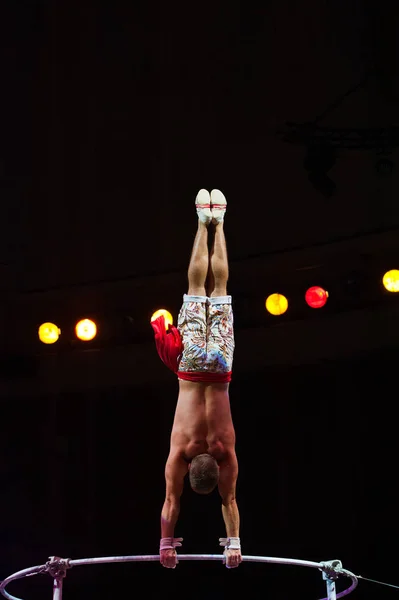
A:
(206, 327)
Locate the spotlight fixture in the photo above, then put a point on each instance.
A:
(86, 330)
(316, 297)
(384, 167)
(49, 333)
(390, 280)
(164, 313)
(276, 304)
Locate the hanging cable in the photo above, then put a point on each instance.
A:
(379, 582)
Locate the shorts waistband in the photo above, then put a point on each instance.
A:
(205, 376)
(207, 300)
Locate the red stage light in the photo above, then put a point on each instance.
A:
(316, 297)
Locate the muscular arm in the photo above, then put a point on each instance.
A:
(227, 489)
(175, 470)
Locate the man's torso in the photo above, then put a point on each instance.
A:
(203, 420)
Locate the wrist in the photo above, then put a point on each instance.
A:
(232, 543)
(169, 542)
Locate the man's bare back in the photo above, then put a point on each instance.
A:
(202, 425)
(203, 421)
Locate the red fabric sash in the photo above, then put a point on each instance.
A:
(205, 376)
(168, 343)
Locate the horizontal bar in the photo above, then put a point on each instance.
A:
(155, 557)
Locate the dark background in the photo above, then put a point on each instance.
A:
(113, 115)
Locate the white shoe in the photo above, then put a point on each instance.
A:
(203, 206)
(218, 206)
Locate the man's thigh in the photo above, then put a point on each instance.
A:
(220, 334)
(192, 326)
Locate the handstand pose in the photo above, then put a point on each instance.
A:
(203, 438)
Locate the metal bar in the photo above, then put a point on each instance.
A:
(57, 588)
(18, 575)
(155, 557)
(58, 580)
(331, 589)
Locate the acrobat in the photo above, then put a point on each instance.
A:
(200, 351)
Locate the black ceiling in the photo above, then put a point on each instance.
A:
(114, 116)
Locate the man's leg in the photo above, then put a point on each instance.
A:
(218, 263)
(199, 261)
(220, 329)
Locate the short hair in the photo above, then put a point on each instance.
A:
(203, 474)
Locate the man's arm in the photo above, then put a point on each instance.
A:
(227, 488)
(175, 471)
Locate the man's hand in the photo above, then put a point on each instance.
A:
(168, 558)
(232, 558)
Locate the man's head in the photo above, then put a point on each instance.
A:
(203, 474)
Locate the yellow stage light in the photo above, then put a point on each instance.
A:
(166, 314)
(86, 330)
(49, 333)
(276, 304)
(391, 280)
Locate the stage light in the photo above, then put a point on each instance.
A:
(276, 304)
(384, 167)
(316, 297)
(86, 330)
(391, 280)
(49, 333)
(166, 314)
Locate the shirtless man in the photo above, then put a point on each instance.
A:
(203, 437)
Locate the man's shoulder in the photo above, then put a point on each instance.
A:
(177, 451)
(228, 456)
